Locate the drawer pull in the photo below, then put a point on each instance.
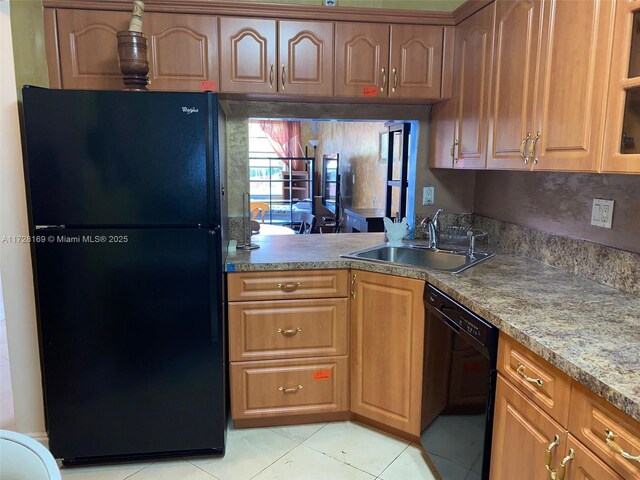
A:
(609, 439)
(548, 454)
(562, 469)
(290, 332)
(536, 381)
(290, 389)
(288, 286)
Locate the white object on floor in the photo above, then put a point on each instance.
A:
(23, 458)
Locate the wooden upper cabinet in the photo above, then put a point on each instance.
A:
(248, 55)
(547, 99)
(305, 58)
(88, 48)
(472, 85)
(514, 67)
(572, 83)
(387, 344)
(183, 50)
(459, 125)
(622, 137)
(415, 61)
(362, 59)
(522, 433)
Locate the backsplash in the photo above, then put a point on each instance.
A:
(607, 265)
(611, 266)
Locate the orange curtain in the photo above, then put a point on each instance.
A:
(284, 137)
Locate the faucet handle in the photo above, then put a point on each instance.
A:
(472, 244)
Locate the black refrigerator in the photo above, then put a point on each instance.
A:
(126, 205)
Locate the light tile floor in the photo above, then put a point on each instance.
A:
(335, 451)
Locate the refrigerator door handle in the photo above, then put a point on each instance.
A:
(214, 283)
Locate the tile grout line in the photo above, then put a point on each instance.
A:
(398, 456)
(202, 469)
(277, 459)
(138, 471)
(342, 461)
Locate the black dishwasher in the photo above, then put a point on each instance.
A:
(458, 389)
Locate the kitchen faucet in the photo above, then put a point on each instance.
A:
(434, 229)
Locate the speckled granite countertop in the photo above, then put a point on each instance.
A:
(588, 330)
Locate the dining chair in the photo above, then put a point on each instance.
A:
(258, 209)
(307, 220)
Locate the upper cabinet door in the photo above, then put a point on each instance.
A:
(514, 69)
(306, 58)
(362, 60)
(571, 88)
(248, 55)
(472, 86)
(622, 135)
(183, 50)
(416, 61)
(88, 48)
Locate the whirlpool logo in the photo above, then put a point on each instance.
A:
(189, 110)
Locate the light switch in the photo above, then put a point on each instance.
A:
(602, 213)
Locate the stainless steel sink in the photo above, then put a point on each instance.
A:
(445, 260)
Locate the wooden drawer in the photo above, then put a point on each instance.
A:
(590, 418)
(287, 329)
(289, 387)
(248, 286)
(521, 367)
(586, 465)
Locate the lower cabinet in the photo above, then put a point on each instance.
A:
(288, 345)
(285, 387)
(387, 344)
(548, 426)
(522, 436)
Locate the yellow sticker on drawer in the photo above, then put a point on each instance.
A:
(322, 374)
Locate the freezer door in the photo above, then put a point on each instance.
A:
(121, 158)
(131, 352)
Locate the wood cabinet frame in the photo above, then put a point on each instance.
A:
(613, 161)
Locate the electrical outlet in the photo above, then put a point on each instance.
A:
(602, 213)
(428, 195)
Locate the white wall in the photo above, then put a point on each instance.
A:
(15, 258)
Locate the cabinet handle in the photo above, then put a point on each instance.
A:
(286, 390)
(532, 149)
(271, 76)
(453, 151)
(353, 286)
(384, 79)
(395, 80)
(283, 77)
(548, 454)
(523, 146)
(289, 286)
(562, 469)
(536, 381)
(609, 439)
(289, 332)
